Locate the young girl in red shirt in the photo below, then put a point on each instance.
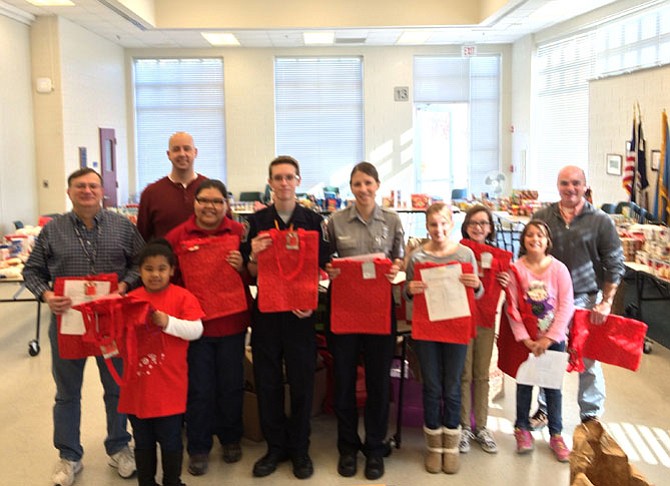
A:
(155, 396)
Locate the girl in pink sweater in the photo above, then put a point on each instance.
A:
(545, 284)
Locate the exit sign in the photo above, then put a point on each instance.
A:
(468, 51)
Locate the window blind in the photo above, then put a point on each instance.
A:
(174, 95)
(319, 116)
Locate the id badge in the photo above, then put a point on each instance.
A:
(292, 241)
(90, 289)
(486, 260)
(369, 270)
(109, 350)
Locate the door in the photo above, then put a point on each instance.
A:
(108, 166)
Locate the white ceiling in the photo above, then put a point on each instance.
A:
(110, 20)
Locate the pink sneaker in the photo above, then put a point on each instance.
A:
(524, 441)
(561, 451)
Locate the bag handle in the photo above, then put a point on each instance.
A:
(301, 255)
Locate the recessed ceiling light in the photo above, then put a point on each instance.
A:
(318, 38)
(413, 37)
(220, 38)
(52, 3)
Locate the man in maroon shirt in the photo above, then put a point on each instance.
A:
(168, 202)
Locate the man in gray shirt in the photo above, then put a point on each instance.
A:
(586, 241)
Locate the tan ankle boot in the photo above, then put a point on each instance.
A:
(451, 460)
(433, 460)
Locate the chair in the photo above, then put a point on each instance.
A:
(459, 194)
(251, 196)
(609, 208)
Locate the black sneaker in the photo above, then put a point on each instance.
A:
(302, 466)
(346, 466)
(539, 420)
(374, 467)
(267, 464)
(232, 452)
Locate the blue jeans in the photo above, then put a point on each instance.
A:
(591, 392)
(69, 376)
(441, 368)
(215, 391)
(554, 398)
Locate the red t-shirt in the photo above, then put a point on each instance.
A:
(160, 385)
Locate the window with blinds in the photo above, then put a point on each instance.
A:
(633, 42)
(319, 116)
(173, 95)
(561, 128)
(475, 83)
(562, 71)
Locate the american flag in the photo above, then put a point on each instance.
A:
(629, 166)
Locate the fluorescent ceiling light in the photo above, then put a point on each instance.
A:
(52, 3)
(412, 37)
(220, 38)
(318, 38)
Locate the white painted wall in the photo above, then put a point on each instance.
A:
(610, 125)
(94, 89)
(18, 200)
(249, 95)
(88, 73)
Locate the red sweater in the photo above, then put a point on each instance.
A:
(165, 204)
(222, 326)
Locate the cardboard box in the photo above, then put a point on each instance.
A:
(250, 419)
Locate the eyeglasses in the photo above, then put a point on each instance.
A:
(287, 178)
(480, 224)
(214, 202)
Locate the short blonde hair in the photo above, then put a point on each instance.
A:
(441, 208)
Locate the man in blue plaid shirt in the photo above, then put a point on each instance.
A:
(86, 241)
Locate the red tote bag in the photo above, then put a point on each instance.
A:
(360, 300)
(70, 342)
(459, 330)
(207, 274)
(618, 341)
(488, 305)
(112, 326)
(510, 352)
(288, 271)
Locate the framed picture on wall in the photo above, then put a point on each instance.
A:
(655, 159)
(613, 162)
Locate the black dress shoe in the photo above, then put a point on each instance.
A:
(346, 466)
(267, 464)
(302, 466)
(374, 467)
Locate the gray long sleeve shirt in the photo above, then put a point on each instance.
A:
(590, 247)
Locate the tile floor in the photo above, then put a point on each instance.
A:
(637, 415)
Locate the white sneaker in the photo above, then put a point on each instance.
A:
(65, 471)
(464, 443)
(486, 440)
(124, 462)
